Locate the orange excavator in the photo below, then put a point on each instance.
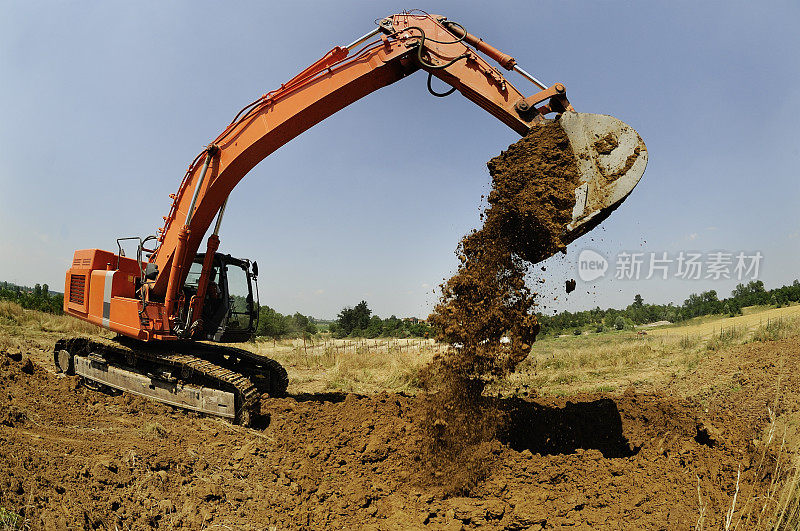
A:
(171, 305)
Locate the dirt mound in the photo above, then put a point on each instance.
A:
(89, 460)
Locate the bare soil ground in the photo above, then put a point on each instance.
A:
(664, 458)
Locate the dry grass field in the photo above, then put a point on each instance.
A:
(612, 361)
(561, 366)
(23, 330)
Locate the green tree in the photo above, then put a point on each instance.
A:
(270, 323)
(391, 326)
(300, 320)
(375, 327)
(350, 320)
(304, 324)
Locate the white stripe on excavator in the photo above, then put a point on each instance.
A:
(109, 281)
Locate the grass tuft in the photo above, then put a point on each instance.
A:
(154, 430)
(775, 329)
(11, 521)
(725, 338)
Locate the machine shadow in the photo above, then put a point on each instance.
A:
(329, 396)
(563, 430)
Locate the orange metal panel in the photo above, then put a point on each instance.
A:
(96, 292)
(124, 317)
(76, 291)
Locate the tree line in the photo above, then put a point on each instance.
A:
(35, 298)
(355, 321)
(705, 303)
(358, 321)
(275, 325)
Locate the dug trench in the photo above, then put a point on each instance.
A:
(72, 457)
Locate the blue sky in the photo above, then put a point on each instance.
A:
(104, 105)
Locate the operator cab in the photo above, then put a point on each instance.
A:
(230, 311)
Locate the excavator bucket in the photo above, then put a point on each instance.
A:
(611, 158)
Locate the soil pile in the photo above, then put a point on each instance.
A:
(75, 458)
(486, 309)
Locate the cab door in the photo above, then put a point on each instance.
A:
(240, 323)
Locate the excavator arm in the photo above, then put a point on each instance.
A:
(146, 304)
(341, 77)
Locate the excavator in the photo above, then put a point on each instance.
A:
(173, 305)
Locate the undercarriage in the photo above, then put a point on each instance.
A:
(212, 379)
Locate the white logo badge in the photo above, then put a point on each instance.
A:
(591, 265)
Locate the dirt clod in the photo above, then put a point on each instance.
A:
(570, 285)
(606, 144)
(13, 417)
(27, 366)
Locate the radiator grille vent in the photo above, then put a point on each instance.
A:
(77, 288)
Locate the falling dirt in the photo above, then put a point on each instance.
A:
(486, 310)
(72, 457)
(533, 193)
